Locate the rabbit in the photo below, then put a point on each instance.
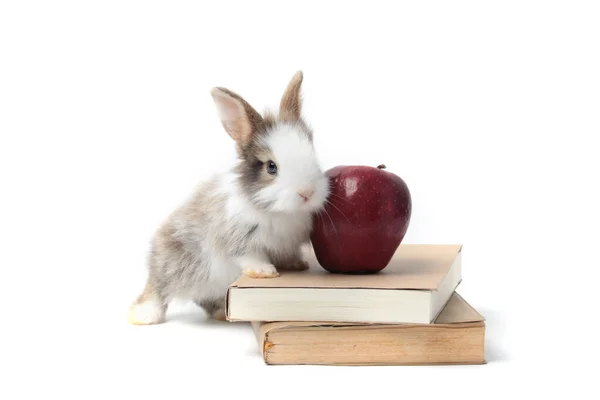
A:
(252, 219)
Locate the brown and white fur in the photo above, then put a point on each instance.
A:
(248, 220)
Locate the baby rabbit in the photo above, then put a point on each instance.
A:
(251, 220)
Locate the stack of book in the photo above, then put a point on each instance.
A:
(407, 314)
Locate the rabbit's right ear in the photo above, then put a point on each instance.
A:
(290, 106)
(239, 119)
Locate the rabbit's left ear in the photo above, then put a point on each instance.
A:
(239, 119)
(290, 106)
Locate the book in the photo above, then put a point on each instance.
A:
(413, 288)
(456, 337)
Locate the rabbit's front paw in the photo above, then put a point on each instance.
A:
(260, 271)
(295, 265)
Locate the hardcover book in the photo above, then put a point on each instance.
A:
(413, 288)
(456, 337)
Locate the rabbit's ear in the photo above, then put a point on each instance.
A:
(239, 119)
(290, 106)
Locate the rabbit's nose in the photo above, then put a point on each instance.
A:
(306, 193)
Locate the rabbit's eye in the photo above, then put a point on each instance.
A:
(271, 167)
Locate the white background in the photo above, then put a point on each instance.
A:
(488, 110)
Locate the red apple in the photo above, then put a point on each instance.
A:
(364, 221)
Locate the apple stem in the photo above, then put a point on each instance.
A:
(381, 166)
